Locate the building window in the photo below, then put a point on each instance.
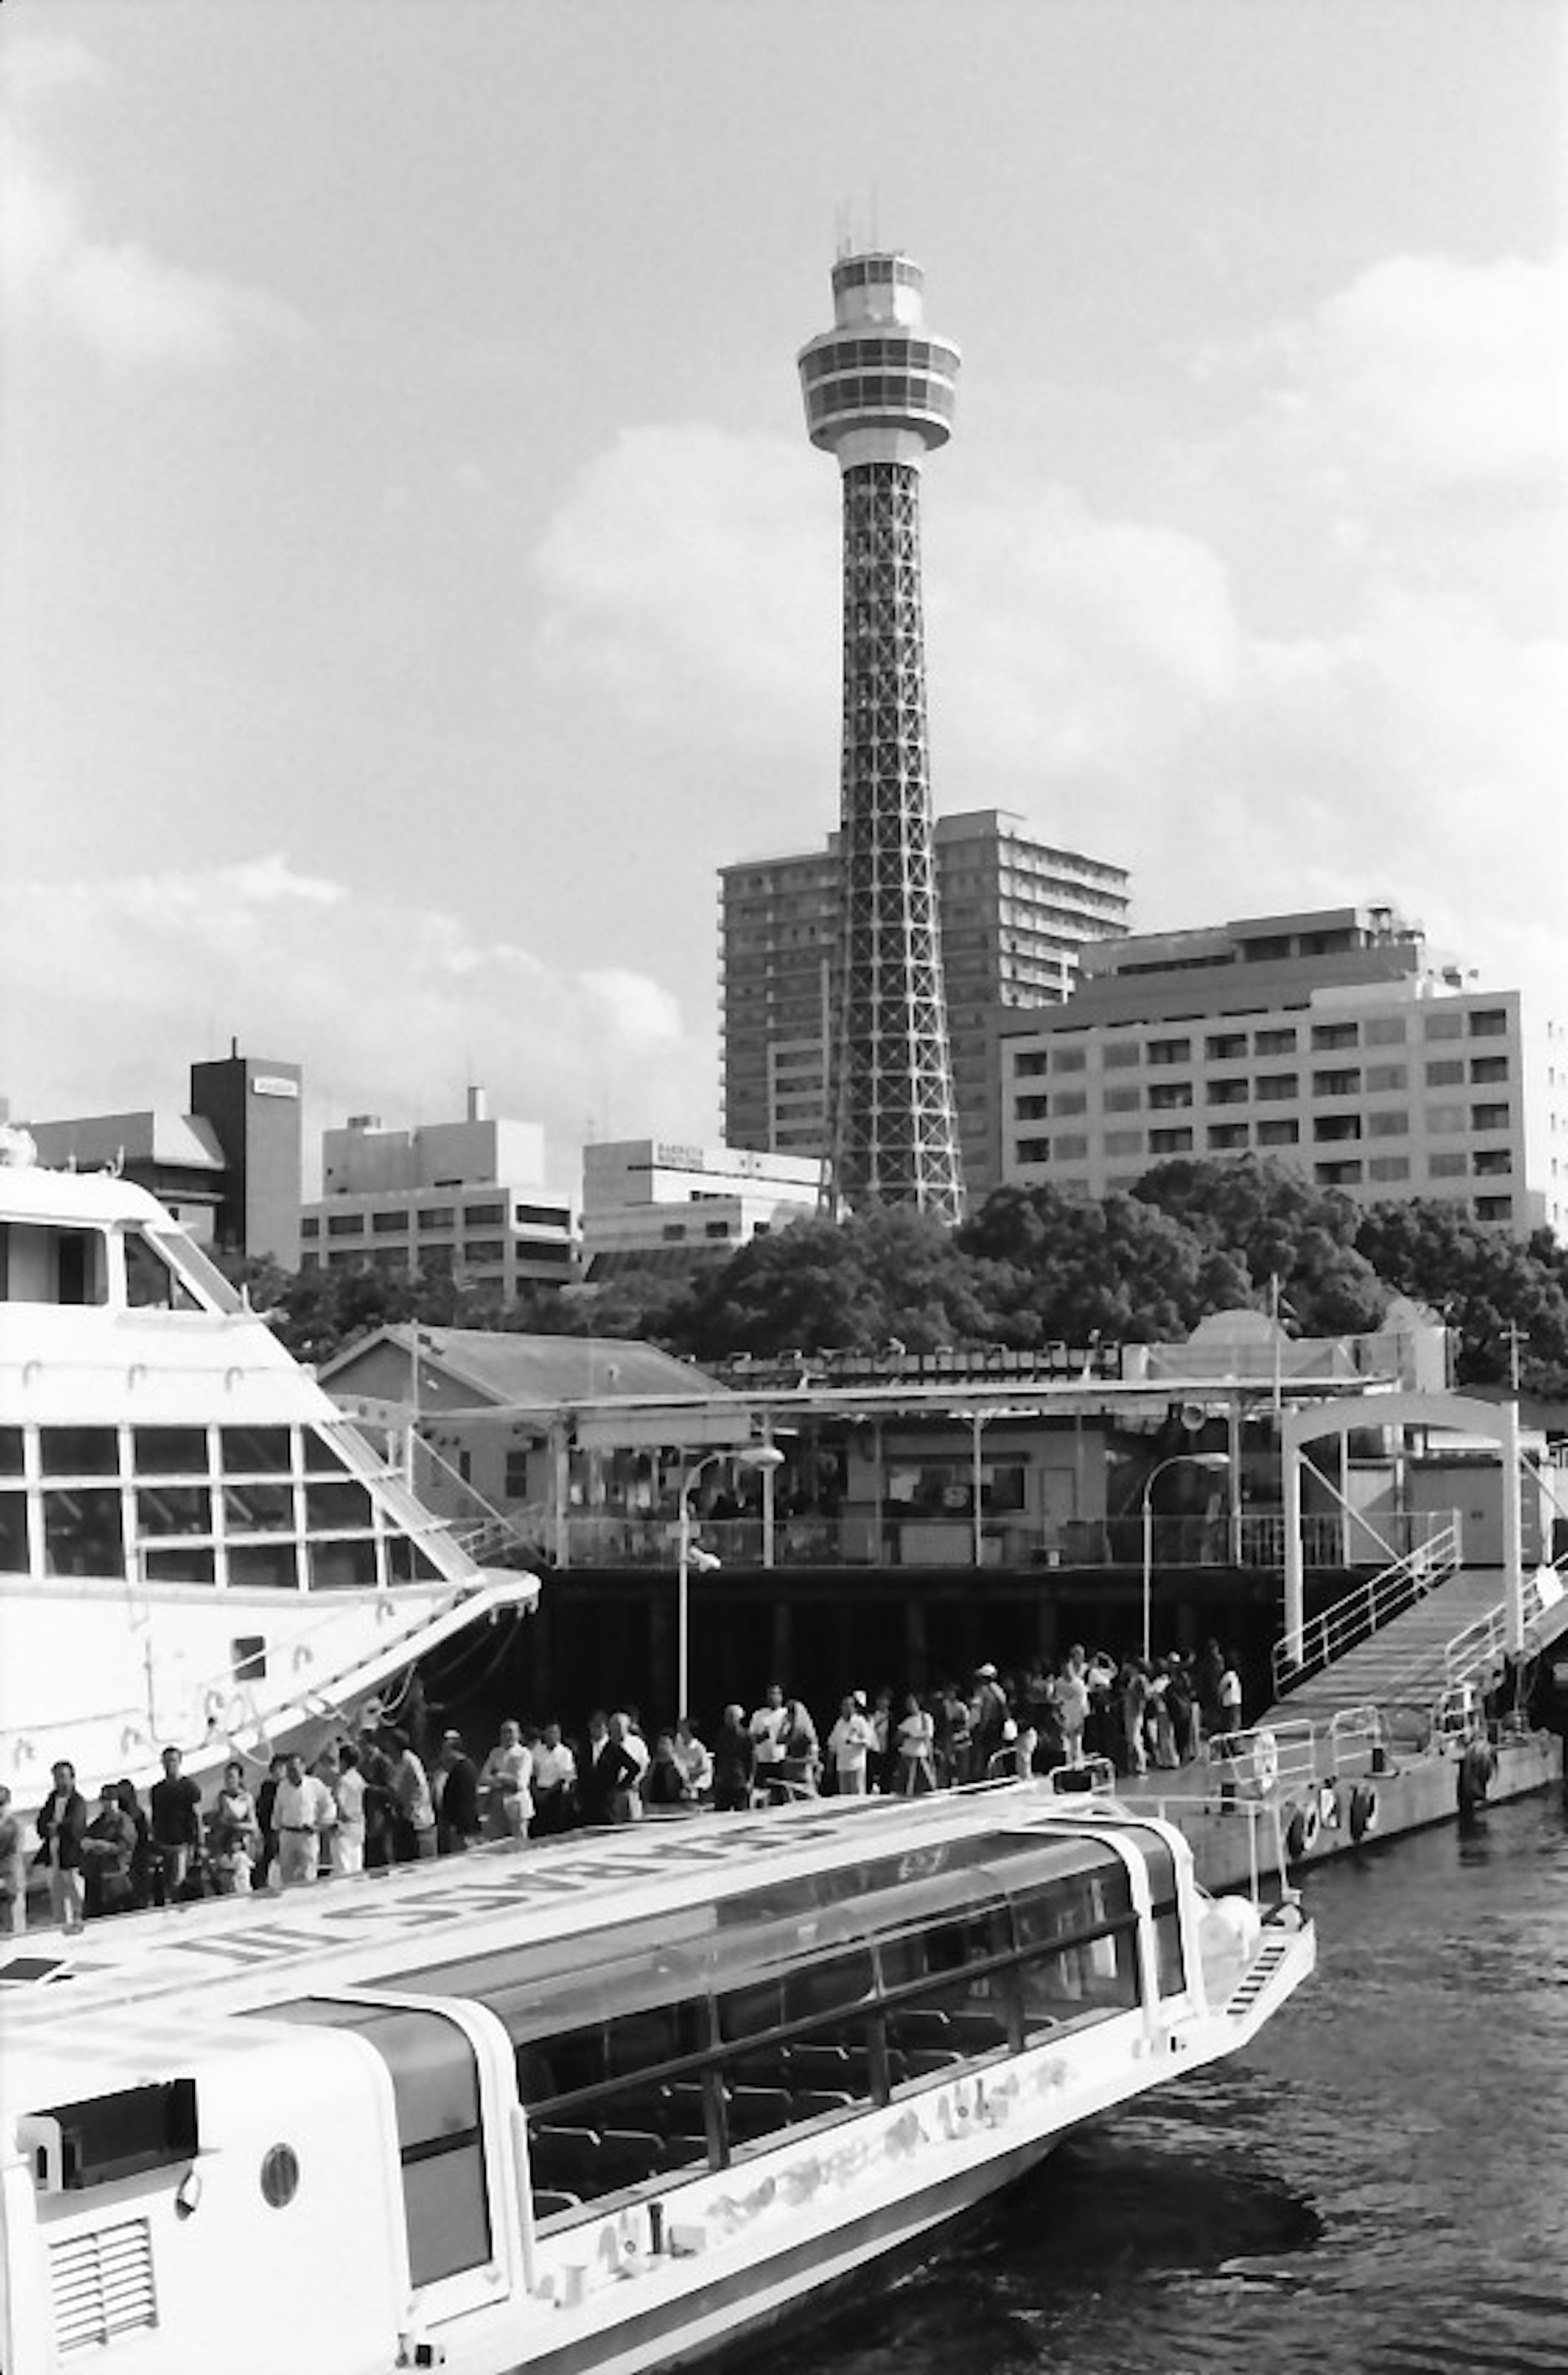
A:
(1444, 1121)
(1169, 1142)
(1335, 1034)
(1492, 1162)
(1384, 1031)
(1388, 1166)
(1034, 1150)
(1494, 1207)
(673, 1233)
(1030, 1063)
(1339, 1175)
(1489, 1116)
(1071, 1059)
(1169, 1096)
(1170, 1051)
(540, 1216)
(1388, 1125)
(1116, 1053)
(716, 1228)
(310, 1226)
(1225, 1138)
(1327, 1127)
(485, 1249)
(1381, 1078)
(1275, 1088)
(346, 1225)
(389, 1224)
(1070, 1150)
(1279, 1133)
(1228, 1093)
(1447, 1166)
(1336, 1085)
(438, 1216)
(1122, 1100)
(1488, 1068)
(1444, 1026)
(1071, 1101)
(1274, 1042)
(1032, 1108)
(1446, 1073)
(309, 1261)
(1123, 1141)
(1226, 1047)
(485, 1216)
(1487, 1022)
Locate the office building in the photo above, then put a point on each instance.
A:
(1016, 911)
(464, 1198)
(1334, 1039)
(648, 1202)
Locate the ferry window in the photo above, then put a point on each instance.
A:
(1071, 1902)
(13, 1558)
(47, 1265)
(330, 1509)
(406, 1562)
(258, 1509)
(200, 1283)
(12, 1462)
(932, 1950)
(173, 1510)
(82, 1532)
(322, 1457)
(256, 1451)
(827, 1986)
(164, 1565)
(342, 1566)
(262, 1567)
(150, 1284)
(169, 1450)
(1097, 1977)
(80, 1451)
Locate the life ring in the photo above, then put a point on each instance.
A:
(1328, 1806)
(1363, 1812)
(1301, 1831)
(1265, 1760)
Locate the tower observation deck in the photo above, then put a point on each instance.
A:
(879, 393)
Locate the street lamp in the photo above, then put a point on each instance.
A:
(1212, 1459)
(763, 1456)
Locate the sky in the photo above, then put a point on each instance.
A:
(416, 581)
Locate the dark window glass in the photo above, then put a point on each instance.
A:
(342, 1566)
(334, 1509)
(82, 1532)
(14, 1533)
(406, 1562)
(160, 1564)
(11, 1451)
(262, 1567)
(256, 1451)
(169, 1450)
(80, 1451)
(174, 1510)
(321, 1455)
(258, 1509)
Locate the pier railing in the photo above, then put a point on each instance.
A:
(1365, 1609)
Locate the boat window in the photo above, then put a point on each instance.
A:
(13, 1460)
(163, 1565)
(262, 1567)
(173, 1510)
(338, 1508)
(323, 1457)
(342, 1566)
(82, 1532)
(14, 1556)
(152, 1282)
(199, 1282)
(406, 1562)
(1074, 1984)
(1168, 1960)
(435, 2086)
(80, 1450)
(256, 1451)
(41, 1264)
(1067, 1891)
(169, 1450)
(258, 1509)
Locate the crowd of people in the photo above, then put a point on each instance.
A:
(388, 1796)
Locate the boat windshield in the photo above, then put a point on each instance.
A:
(165, 1272)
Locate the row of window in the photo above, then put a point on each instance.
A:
(1232, 1138)
(1231, 1046)
(489, 1215)
(896, 353)
(1442, 1121)
(884, 392)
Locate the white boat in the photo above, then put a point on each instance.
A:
(606, 2106)
(195, 1548)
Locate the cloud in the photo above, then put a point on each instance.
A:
(390, 1008)
(118, 297)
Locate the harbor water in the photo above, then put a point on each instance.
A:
(1378, 2187)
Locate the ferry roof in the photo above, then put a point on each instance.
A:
(31, 1192)
(128, 1994)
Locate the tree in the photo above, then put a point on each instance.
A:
(1505, 1300)
(1293, 1239)
(1065, 1268)
(822, 1284)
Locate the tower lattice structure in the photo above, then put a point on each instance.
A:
(880, 392)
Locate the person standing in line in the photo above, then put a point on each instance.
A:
(988, 1712)
(1069, 1697)
(802, 1756)
(266, 1873)
(604, 1772)
(141, 1854)
(850, 1743)
(916, 1745)
(381, 1806)
(1229, 1698)
(175, 1807)
(661, 1784)
(553, 1784)
(455, 1791)
(62, 1827)
(1135, 1707)
(506, 1793)
(346, 1848)
(234, 1834)
(108, 1845)
(696, 1765)
(769, 1729)
(415, 1821)
(13, 1870)
(627, 1801)
(735, 1764)
(303, 1812)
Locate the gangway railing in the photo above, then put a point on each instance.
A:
(1364, 1610)
(1476, 1651)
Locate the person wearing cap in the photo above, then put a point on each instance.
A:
(455, 1792)
(988, 1712)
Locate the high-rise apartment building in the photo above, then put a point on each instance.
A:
(1334, 1040)
(1016, 911)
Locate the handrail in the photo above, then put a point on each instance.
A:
(1365, 1609)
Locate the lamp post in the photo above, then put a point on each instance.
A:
(763, 1456)
(1212, 1460)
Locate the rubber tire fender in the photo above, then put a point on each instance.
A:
(1363, 1812)
(1301, 1831)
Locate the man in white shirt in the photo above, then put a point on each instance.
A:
(769, 1729)
(304, 1809)
(850, 1743)
(555, 1778)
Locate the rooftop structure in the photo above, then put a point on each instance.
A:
(645, 1198)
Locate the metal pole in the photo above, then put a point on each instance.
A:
(682, 1567)
(1148, 1554)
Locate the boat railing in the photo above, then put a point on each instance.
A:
(1209, 1823)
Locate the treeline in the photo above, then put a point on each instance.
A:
(1033, 1266)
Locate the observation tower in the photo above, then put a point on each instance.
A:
(879, 392)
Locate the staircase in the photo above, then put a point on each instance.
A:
(1449, 1636)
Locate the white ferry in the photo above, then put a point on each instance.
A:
(604, 2106)
(195, 1548)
